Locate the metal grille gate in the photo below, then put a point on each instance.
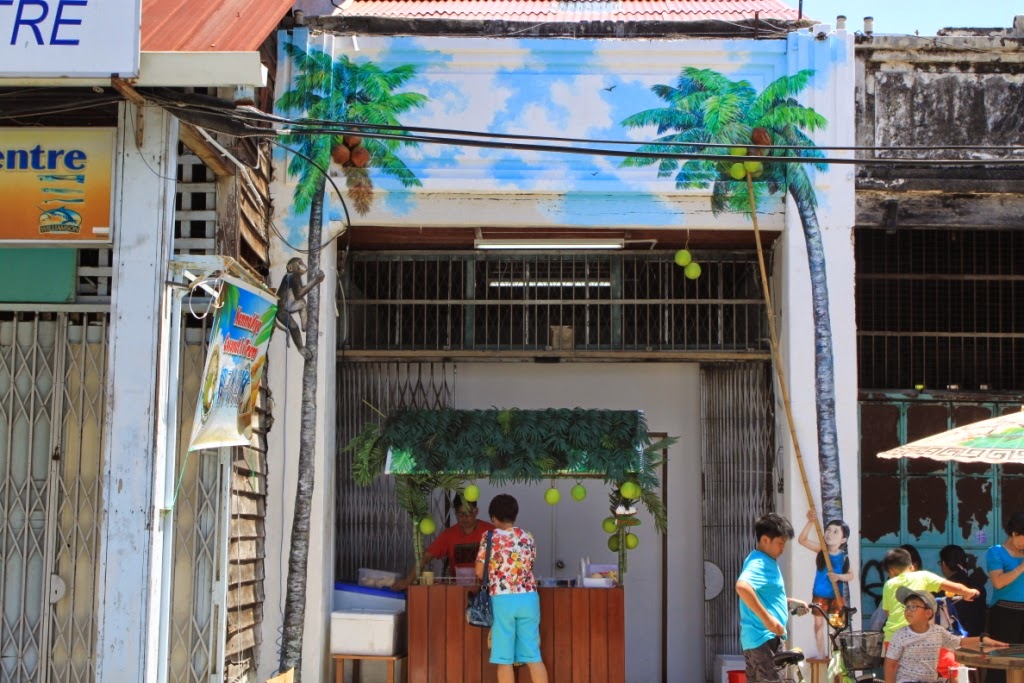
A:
(52, 406)
(201, 522)
(372, 531)
(738, 470)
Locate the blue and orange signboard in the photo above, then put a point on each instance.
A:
(235, 362)
(56, 184)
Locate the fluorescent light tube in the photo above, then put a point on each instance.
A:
(549, 283)
(541, 243)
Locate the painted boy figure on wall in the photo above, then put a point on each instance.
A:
(823, 593)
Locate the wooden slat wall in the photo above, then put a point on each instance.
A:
(582, 637)
(243, 218)
(246, 552)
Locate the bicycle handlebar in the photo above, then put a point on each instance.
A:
(845, 611)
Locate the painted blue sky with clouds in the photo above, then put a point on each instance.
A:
(564, 88)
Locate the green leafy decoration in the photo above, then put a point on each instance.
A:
(367, 456)
(266, 325)
(442, 449)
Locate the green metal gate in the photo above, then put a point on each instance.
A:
(928, 503)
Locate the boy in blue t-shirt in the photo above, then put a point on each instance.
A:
(764, 607)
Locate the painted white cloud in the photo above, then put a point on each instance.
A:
(651, 63)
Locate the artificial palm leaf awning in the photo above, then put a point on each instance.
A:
(509, 445)
(428, 450)
(517, 445)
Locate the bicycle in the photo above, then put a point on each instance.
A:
(860, 650)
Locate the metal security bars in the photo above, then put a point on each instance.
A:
(940, 308)
(201, 523)
(371, 530)
(738, 472)
(561, 304)
(52, 409)
(79, 496)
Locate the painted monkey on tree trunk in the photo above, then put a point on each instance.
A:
(292, 295)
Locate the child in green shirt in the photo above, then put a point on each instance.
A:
(897, 563)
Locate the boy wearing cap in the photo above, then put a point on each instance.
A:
(913, 653)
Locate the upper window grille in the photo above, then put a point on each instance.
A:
(551, 303)
(940, 309)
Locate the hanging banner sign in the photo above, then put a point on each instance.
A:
(69, 38)
(243, 323)
(56, 184)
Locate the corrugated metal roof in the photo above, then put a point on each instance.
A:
(209, 25)
(572, 10)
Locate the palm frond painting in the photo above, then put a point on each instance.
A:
(704, 106)
(344, 91)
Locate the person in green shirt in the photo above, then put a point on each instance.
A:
(898, 564)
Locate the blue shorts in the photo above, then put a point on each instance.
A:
(515, 635)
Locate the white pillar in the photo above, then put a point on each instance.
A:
(143, 236)
(831, 94)
(284, 370)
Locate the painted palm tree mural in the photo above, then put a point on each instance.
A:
(344, 91)
(704, 106)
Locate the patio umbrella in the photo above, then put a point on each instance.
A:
(997, 441)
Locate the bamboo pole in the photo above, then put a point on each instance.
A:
(784, 389)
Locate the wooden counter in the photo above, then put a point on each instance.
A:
(1009, 659)
(582, 636)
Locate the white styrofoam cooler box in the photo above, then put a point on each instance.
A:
(367, 621)
(367, 632)
(726, 663)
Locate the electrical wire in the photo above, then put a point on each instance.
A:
(469, 138)
(359, 127)
(562, 149)
(62, 109)
(337, 190)
(321, 169)
(353, 126)
(637, 154)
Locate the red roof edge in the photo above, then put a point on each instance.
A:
(209, 25)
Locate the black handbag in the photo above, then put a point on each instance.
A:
(478, 612)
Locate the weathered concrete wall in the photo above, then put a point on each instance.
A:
(941, 92)
(964, 89)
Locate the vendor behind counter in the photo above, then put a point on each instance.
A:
(458, 544)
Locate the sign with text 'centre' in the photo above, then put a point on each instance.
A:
(69, 38)
(56, 184)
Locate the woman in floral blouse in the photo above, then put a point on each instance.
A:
(515, 635)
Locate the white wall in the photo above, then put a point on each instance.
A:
(834, 100)
(285, 376)
(669, 395)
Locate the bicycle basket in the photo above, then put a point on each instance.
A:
(861, 649)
